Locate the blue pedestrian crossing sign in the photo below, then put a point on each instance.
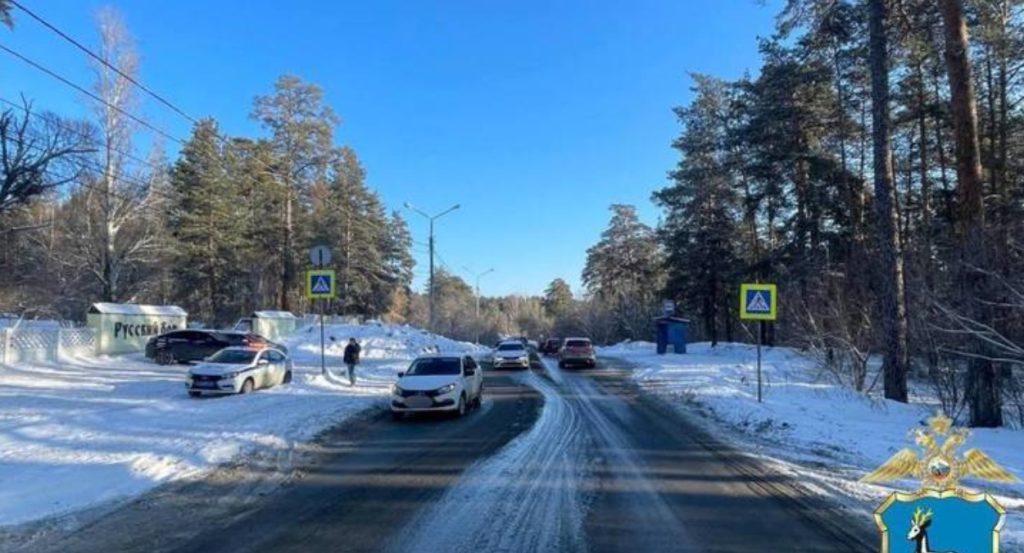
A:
(758, 302)
(320, 284)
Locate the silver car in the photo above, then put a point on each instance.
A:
(513, 354)
(239, 370)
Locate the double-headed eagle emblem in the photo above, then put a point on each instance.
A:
(939, 468)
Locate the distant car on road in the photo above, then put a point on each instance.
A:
(551, 346)
(186, 346)
(239, 370)
(577, 351)
(512, 354)
(438, 383)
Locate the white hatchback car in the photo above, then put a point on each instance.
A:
(239, 370)
(438, 383)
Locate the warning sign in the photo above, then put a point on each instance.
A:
(758, 302)
(320, 284)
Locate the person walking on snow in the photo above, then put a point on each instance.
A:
(352, 359)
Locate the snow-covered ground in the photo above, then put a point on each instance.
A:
(825, 434)
(89, 430)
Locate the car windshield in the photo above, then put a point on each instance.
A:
(434, 366)
(577, 344)
(510, 347)
(233, 356)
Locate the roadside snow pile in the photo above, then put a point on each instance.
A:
(826, 432)
(628, 347)
(378, 341)
(89, 430)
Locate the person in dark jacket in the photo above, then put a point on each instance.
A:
(352, 359)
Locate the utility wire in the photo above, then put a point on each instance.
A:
(85, 91)
(266, 167)
(99, 59)
(57, 122)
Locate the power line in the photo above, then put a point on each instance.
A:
(79, 132)
(85, 91)
(94, 166)
(96, 57)
(267, 169)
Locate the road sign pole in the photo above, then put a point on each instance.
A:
(323, 356)
(760, 333)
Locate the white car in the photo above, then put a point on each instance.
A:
(438, 383)
(511, 354)
(239, 370)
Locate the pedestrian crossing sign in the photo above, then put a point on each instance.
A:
(758, 302)
(320, 284)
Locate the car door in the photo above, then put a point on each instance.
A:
(265, 372)
(277, 367)
(187, 345)
(473, 377)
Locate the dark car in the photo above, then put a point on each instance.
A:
(186, 346)
(551, 346)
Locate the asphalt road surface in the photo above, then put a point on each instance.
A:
(553, 461)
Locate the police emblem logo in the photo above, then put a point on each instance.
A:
(941, 516)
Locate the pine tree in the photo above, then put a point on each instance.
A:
(558, 298)
(205, 219)
(302, 128)
(624, 270)
(701, 210)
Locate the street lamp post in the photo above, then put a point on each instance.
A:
(478, 277)
(431, 218)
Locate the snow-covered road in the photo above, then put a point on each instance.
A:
(555, 461)
(528, 497)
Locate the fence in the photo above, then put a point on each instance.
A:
(37, 345)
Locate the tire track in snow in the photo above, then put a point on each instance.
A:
(642, 515)
(527, 497)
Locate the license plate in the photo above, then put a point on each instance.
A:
(419, 402)
(204, 385)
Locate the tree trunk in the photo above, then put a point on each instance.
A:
(983, 390)
(891, 296)
(926, 181)
(287, 267)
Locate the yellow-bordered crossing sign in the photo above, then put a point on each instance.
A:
(758, 302)
(320, 284)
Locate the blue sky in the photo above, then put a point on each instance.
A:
(534, 115)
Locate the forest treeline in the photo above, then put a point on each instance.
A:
(222, 229)
(871, 169)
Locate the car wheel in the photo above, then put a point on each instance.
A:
(396, 415)
(164, 357)
(462, 406)
(247, 386)
(194, 394)
(478, 400)
(287, 378)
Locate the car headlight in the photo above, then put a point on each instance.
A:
(396, 389)
(445, 389)
(524, 357)
(229, 376)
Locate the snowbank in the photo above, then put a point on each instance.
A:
(820, 430)
(378, 341)
(89, 430)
